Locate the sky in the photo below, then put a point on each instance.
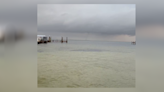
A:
(149, 15)
(104, 22)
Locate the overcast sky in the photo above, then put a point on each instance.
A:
(107, 22)
(24, 14)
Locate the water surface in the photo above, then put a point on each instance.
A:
(86, 64)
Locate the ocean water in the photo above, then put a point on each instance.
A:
(86, 64)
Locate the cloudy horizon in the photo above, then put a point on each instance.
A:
(104, 22)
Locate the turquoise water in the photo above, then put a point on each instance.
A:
(86, 64)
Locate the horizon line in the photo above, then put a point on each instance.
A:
(98, 40)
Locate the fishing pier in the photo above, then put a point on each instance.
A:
(62, 41)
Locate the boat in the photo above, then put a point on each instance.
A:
(39, 40)
(43, 38)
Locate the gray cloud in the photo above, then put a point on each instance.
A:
(100, 20)
(147, 12)
(25, 11)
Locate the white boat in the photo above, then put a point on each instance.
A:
(39, 40)
(42, 38)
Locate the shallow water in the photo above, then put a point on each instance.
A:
(86, 64)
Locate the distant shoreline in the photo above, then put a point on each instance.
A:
(98, 40)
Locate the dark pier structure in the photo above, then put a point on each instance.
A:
(63, 40)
